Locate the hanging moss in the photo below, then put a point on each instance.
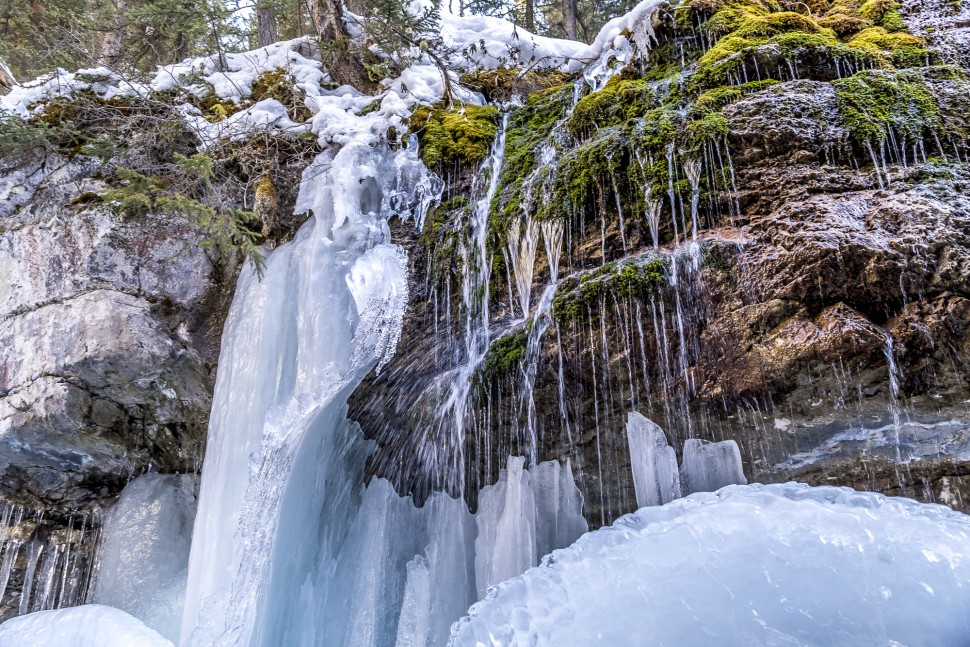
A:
(717, 98)
(528, 128)
(461, 135)
(870, 35)
(873, 102)
(620, 100)
(577, 297)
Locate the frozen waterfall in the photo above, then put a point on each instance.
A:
(275, 494)
(144, 551)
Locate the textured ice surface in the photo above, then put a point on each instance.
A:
(144, 551)
(707, 467)
(524, 516)
(654, 462)
(748, 565)
(91, 625)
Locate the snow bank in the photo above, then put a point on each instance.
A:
(91, 625)
(488, 43)
(750, 565)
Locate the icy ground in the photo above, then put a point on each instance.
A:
(749, 565)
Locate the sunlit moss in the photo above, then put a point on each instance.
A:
(872, 103)
(461, 135)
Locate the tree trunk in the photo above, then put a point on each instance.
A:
(569, 18)
(266, 29)
(112, 47)
(529, 15)
(344, 67)
(7, 79)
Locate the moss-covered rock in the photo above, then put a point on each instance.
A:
(580, 296)
(455, 136)
(876, 104)
(502, 84)
(504, 354)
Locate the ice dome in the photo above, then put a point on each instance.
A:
(748, 565)
(91, 625)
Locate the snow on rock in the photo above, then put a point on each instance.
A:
(612, 49)
(486, 42)
(749, 565)
(91, 625)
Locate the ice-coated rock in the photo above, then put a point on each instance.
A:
(144, 551)
(707, 467)
(91, 625)
(750, 565)
(656, 477)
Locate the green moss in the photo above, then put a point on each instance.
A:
(892, 21)
(503, 83)
(872, 103)
(717, 98)
(578, 297)
(504, 354)
(528, 129)
(870, 34)
(278, 84)
(620, 100)
(458, 136)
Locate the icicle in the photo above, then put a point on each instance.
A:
(693, 170)
(671, 192)
(523, 243)
(875, 164)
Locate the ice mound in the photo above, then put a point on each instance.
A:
(91, 625)
(748, 565)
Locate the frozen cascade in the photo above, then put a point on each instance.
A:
(707, 467)
(144, 551)
(719, 569)
(325, 313)
(654, 462)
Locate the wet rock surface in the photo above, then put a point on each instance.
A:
(814, 276)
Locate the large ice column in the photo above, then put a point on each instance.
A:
(327, 311)
(450, 555)
(369, 581)
(654, 462)
(748, 565)
(524, 516)
(707, 467)
(559, 506)
(442, 580)
(506, 518)
(144, 551)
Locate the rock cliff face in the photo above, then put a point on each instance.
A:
(110, 330)
(766, 238)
